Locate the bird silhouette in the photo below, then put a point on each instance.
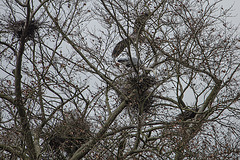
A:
(137, 31)
(118, 49)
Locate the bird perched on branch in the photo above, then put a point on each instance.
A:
(136, 63)
(137, 30)
(118, 49)
(188, 114)
(127, 62)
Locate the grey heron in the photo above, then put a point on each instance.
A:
(127, 62)
(137, 30)
(137, 63)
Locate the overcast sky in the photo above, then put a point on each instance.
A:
(236, 9)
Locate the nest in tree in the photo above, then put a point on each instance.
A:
(141, 90)
(69, 135)
(187, 114)
(17, 28)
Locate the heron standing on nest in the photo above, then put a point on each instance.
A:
(136, 63)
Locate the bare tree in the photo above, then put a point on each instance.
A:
(64, 94)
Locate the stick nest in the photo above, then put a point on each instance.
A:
(68, 135)
(141, 88)
(17, 28)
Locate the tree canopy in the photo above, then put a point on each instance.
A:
(64, 94)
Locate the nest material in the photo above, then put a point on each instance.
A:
(140, 87)
(69, 135)
(17, 28)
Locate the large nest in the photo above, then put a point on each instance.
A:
(141, 90)
(17, 28)
(68, 135)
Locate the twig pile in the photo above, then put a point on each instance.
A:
(69, 135)
(141, 88)
(17, 28)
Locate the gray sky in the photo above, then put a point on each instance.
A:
(236, 9)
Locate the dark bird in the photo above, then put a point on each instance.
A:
(188, 114)
(137, 30)
(120, 47)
